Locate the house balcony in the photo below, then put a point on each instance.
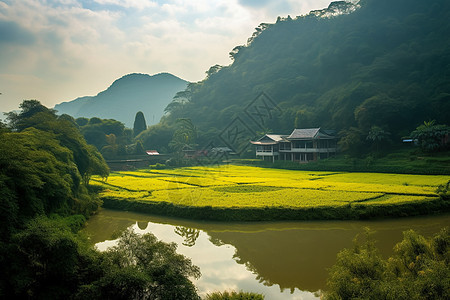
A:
(266, 153)
(309, 150)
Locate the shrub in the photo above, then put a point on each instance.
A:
(158, 166)
(419, 269)
(444, 191)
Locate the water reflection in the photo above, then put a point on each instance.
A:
(142, 225)
(190, 235)
(289, 258)
(283, 260)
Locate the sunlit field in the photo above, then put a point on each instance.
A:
(253, 187)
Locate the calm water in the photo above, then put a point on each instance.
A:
(283, 260)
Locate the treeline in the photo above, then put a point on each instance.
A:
(45, 166)
(383, 68)
(111, 138)
(45, 198)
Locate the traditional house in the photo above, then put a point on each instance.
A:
(302, 145)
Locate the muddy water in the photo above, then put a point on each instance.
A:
(283, 260)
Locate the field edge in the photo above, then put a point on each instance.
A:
(349, 212)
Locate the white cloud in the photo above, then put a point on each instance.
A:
(139, 4)
(80, 47)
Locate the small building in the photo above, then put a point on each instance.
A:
(302, 145)
(152, 152)
(191, 152)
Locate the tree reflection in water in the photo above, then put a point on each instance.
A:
(292, 257)
(142, 225)
(190, 235)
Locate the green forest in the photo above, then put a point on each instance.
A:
(45, 169)
(374, 76)
(383, 67)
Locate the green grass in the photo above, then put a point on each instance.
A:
(243, 193)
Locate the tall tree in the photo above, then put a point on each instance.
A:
(139, 123)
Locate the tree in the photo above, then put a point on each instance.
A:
(432, 137)
(419, 269)
(48, 255)
(82, 121)
(157, 137)
(443, 191)
(380, 110)
(141, 267)
(139, 123)
(351, 141)
(190, 235)
(213, 70)
(94, 136)
(97, 165)
(185, 135)
(29, 108)
(35, 115)
(139, 148)
(377, 135)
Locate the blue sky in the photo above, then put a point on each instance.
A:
(58, 50)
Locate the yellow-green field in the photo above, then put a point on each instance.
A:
(252, 187)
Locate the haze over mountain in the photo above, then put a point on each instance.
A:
(126, 96)
(352, 66)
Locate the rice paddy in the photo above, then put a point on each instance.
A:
(244, 187)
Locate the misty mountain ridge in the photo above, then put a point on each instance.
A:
(126, 96)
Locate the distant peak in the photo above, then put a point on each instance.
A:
(142, 76)
(135, 78)
(166, 75)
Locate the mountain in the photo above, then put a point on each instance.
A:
(126, 96)
(349, 67)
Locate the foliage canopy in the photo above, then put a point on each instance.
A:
(419, 269)
(385, 64)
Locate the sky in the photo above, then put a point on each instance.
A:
(57, 50)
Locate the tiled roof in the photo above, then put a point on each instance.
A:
(297, 134)
(304, 133)
(270, 139)
(277, 137)
(152, 152)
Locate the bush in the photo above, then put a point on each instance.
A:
(444, 191)
(158, 166)
(419, 269)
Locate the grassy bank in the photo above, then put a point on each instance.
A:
(243, 193)
(208, 213)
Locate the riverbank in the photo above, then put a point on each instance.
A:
(208, 213)
(243, 193)
(272, 258)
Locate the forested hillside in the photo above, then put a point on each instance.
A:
(385, 64)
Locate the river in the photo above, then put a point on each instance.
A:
(282, 260)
